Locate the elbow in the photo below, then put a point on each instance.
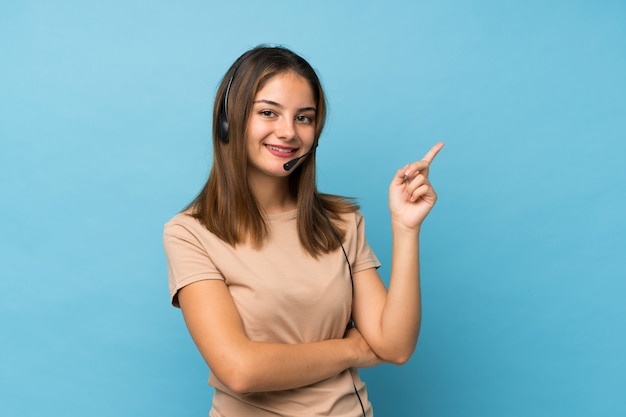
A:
(239, 368)
(237, 375)
(240, 374)
(241, 377)
(239, 387)
(399, 358)
(397, 355)
(237, 380)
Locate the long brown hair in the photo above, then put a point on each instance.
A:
(226, 206)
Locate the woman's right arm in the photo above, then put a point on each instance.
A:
(247, 366)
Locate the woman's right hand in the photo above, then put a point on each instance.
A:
(365, 356)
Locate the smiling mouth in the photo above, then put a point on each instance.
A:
(280, 149)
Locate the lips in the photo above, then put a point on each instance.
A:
(281, 151)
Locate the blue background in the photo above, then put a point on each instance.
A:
(105, 134)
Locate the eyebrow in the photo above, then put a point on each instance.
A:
(280, 106)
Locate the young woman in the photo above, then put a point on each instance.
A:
(270, 273)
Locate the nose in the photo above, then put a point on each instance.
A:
(285, 128)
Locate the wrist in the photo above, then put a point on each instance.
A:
(350, 353)
(401, 230)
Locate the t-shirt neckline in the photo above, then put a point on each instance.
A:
(291, 214)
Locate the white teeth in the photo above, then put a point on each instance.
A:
(274, 148)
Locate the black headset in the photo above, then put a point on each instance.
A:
(345, 254)
(222, 133)
(222, 120)
(222, 126)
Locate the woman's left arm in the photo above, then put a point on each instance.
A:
(389, 320)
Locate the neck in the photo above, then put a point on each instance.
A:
(272, 196)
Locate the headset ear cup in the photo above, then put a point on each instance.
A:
(222, 128)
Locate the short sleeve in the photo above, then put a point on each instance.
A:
(187, 259)
(364, 256)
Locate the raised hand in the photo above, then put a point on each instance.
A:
(411, 196)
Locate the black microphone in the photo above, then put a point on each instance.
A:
(290, 164)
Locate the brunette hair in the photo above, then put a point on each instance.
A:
(225, 205)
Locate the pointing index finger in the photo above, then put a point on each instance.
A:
(430, 155)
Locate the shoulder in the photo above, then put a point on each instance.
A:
(184, 218)
(184, 225)
(354, 218)
(185, 230)
(338, 206)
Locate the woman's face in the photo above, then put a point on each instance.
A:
(281, 126)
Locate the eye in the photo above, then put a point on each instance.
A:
(304, 119)
(267, 113)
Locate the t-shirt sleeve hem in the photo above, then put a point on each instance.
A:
(361, 266)
(190, 280)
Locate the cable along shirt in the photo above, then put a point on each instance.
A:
(283, 295)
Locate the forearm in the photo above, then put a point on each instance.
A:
(258, 367)
(390, 318)
(401, 314)
(244, 365)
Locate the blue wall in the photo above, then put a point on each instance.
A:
(105, 134)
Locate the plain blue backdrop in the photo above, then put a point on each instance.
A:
(105, 112)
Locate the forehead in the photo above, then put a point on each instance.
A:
(286, 88)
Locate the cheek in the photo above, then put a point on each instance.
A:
(307, 133)
(256, 132)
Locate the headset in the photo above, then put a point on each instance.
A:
(222, 133)
(222, 125)
(222, 120)
(345, 254)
